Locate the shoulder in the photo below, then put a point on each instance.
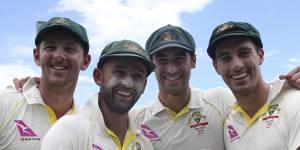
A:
(66, 131)
(9, 99)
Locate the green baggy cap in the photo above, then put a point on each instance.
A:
(126, 48)
(170, 36)
(232, 29)
(65, 24)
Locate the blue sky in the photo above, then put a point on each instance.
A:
(108, 20)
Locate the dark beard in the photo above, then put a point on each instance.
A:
(107, 97)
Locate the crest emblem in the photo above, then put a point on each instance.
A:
(138, 146)
(132, 47)
(273, 108)
(168, 36)
(196, 116)
(224, 27)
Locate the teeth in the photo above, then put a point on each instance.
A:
(239, 76)
(172, 77)
(124, 93)
(59, 67)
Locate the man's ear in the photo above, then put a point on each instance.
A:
(98, 75)
(216, 67)
(261, 53)
(36, 56)
(86, 62)
(193, 57)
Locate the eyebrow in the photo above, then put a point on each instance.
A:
(139, 69)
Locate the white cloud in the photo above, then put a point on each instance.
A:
(294, 60)
(108, 20)
(11, 71)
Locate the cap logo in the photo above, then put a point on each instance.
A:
(132, 47)
(225, 27)
(59, 21)
(168, 36)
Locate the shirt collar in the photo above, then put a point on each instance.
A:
(31, 92)
(195, 101)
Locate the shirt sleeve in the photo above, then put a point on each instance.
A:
(65, 134)
(293, 111)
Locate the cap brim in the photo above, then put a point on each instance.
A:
(149, 64)
(168, 45)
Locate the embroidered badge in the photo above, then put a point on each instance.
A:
(138, 146)
(198, 122)
(271, 115)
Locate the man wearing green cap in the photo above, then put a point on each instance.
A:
(121, 73)
(181, 117)
(61, 51)
(265, 116)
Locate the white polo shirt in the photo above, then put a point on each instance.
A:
(24, 118)
(276, 126)
(87, 131)
(198, 126)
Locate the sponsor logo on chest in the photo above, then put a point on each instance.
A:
(149, 133)
(233, 134)
(198, 122)
(26, 133)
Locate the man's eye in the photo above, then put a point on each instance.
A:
(49, 47)
(224, 58)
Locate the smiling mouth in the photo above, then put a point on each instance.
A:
(239, 76)
(172, 78)
(124, 93)
(58, 67)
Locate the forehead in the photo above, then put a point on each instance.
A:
(130, 63)
(170, 51)
(60, 34)
(233, 42)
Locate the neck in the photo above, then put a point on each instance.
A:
(254, 100)
(117, 123)
(60, 99)
(175, 102)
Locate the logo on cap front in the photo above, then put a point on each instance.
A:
(225, 27)
(132, 47)
(60, 21)
(168, 36)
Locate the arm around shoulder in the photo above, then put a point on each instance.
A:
(65, 134)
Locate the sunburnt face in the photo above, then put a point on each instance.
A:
(238, 62)
(173, 69)
(122, 82)
(61, 57)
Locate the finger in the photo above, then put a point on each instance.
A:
(37, 79)
(283, 77)
(17, 84)
(294, 71)
(295, 77)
